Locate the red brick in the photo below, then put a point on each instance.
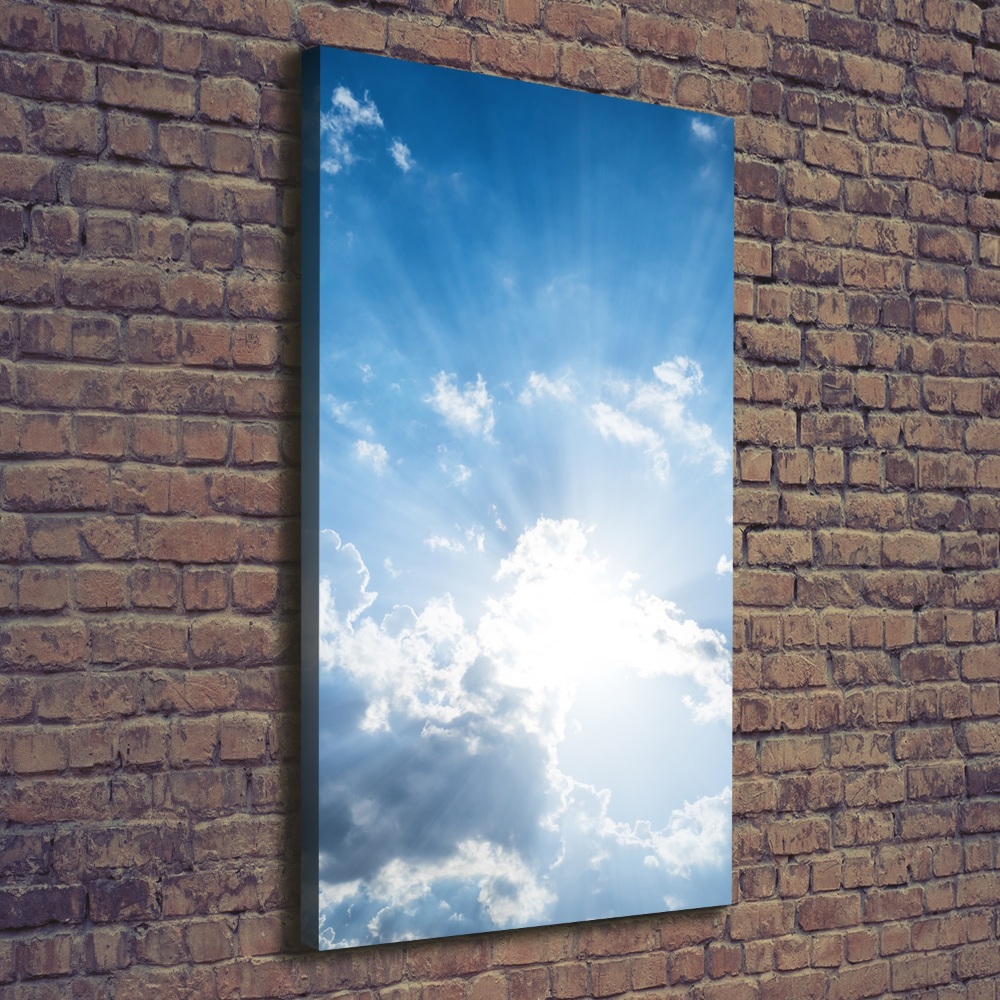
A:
(255, 589)
(583, 22)
(47, 77)
(193, 294)
(147, 90)
(101, 588)
(597, 69)
(181, 540)
(517, 56)
(647, 33)
(26, 26)
(872, 76)
(38, 906)
(355, 29)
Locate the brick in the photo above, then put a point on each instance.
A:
(28, 281)
(519, 56)
(229, 100)
(741, 49)
(27, 178)
(193, 294)
(822, 149)
(658, 35)
(597, 69)
(229, 152)
(829, 911)
(71, 485)
(110, 234)
(130, 136)
(583, 22)
(767, 341)
(128, 640)
(805, 63)
(121, 187)
(38, 906)
(101, 589)
(147, 90)
(47, 77)
(753, 921)
(872, 76)
(356, 29)
(791, 837)
(182, 145)
(100, 286)
(255, 589)
(91, 34)
(27, 26)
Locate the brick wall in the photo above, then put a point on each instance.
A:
(148, 538)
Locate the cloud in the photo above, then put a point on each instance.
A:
(724, 565)
(654, 415)
(440, 542)
(697, 834)
(664, 401)
(346, 116)
(469, 410)
(560, 617)
(612, 423)
(508, 890)
(703, 130)
(453, 727)
(497, 519)
(475, 537)
(343, 593)
(401, 155)
(649, 414)
(372, 454)
(343, 413)
(539, 386)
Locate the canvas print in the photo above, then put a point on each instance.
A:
(517, 539)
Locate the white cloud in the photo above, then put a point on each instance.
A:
(664, 402)
(339, 124)
(483, 704)
(366, 372)
(703, 130)
(612, 423)
(508, 890)
(697, 834)
(469, 409)
(401, 155)
(497, 519)
(724, 565)
(539, 386)
(343, 413)
(343, 593)
(561, 617)
(497, 880)
(474, 538)
(655, 415)
(372, 454)
(440, 542)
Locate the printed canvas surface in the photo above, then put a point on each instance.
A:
(518, 318)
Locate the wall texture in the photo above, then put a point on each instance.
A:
(148, 539)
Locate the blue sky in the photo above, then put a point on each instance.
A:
(525, 500)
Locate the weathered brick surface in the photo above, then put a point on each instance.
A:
(148, 394)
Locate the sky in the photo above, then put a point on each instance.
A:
(525, 475)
